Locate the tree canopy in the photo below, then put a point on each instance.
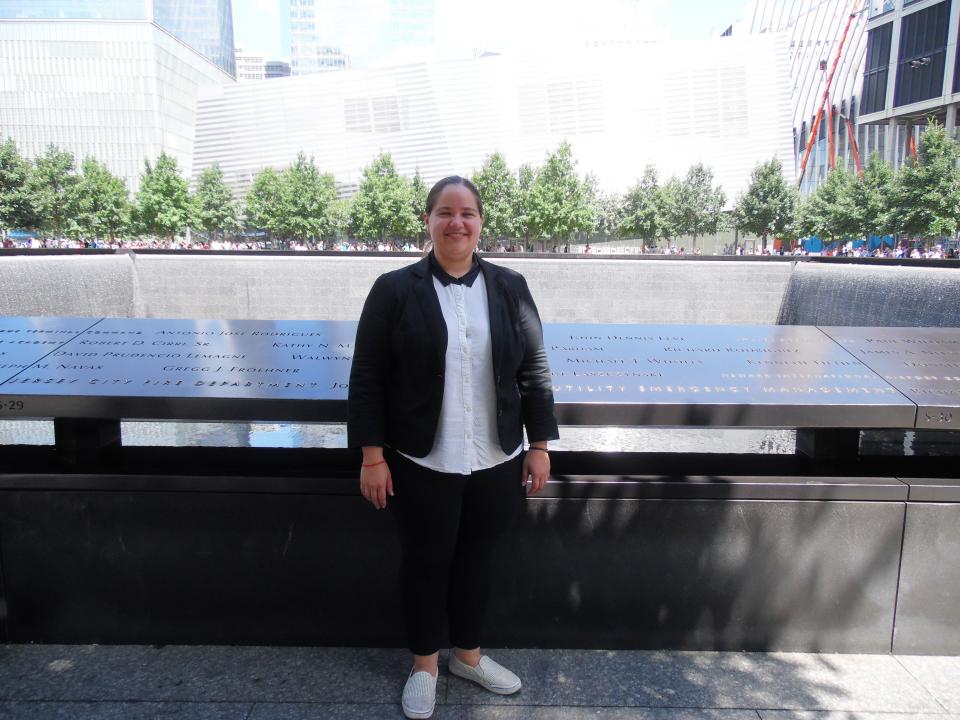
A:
(264, 203)
(100, 205)
(50, 187)
(769, 205)
(498, 189)
(643, 212)
(383, 205)
(16, 210)
(926, 191)
(163, 202)
(560, 202)
(550, 201)
(307, 199)
(700, 206)
(829, 212)
(214, 206)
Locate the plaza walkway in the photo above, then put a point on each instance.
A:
(93, 682)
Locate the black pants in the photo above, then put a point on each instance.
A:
(449, 526)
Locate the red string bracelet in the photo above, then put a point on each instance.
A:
(379, 462)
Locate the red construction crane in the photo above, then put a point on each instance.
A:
(825, 99)
(853, 145)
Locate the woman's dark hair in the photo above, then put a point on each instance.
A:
(452, 180)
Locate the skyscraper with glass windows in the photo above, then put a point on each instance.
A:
(204, 25)
(912, 70)
(115, 80)
(336, 34)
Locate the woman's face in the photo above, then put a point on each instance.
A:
(454, 225)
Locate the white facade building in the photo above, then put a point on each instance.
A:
(725, 102)
(121, 91)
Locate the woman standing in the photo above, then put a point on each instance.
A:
(448, 368)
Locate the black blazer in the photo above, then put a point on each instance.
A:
(396, 380)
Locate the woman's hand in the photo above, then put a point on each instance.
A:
(376, 483)
(536, 468)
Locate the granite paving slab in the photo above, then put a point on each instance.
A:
(284, 674)
(77, 672)
(202, 673)
(939, 674)
(123, 711)
(526, 712)
(849, 715)
(787, 681)
(319, 711)
(90, 682)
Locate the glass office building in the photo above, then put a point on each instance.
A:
(75, 9)
(204, 25)
(912, 70)
(121, 89)
(336, 34)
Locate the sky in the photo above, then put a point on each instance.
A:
(520, 25)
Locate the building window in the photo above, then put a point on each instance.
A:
(356, 115)
(923, 49)
(879, 7)
(876, 69)
(956, 71)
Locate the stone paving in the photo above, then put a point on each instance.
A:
(96, 682)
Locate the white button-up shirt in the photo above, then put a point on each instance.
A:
(467, 439)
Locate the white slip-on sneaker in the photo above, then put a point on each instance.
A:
(487, 674)
(419, 695)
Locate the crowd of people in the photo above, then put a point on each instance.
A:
(913, 251)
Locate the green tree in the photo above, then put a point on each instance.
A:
(340, 217)
(561, 204)
(382, 207)
(700, 211)
(418, 197)
(164, 206)
(263, 203)
(769, 206)
(830, 212)
(498, 189)
(672, 201)
(873, 197)
(214, 207)
(16, 211)
(524, 221)
(101, 203)
(643, 209)
(50, 189)
(608, 213)
(926, 197)
(307, 198)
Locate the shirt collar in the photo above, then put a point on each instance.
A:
(446, 278)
